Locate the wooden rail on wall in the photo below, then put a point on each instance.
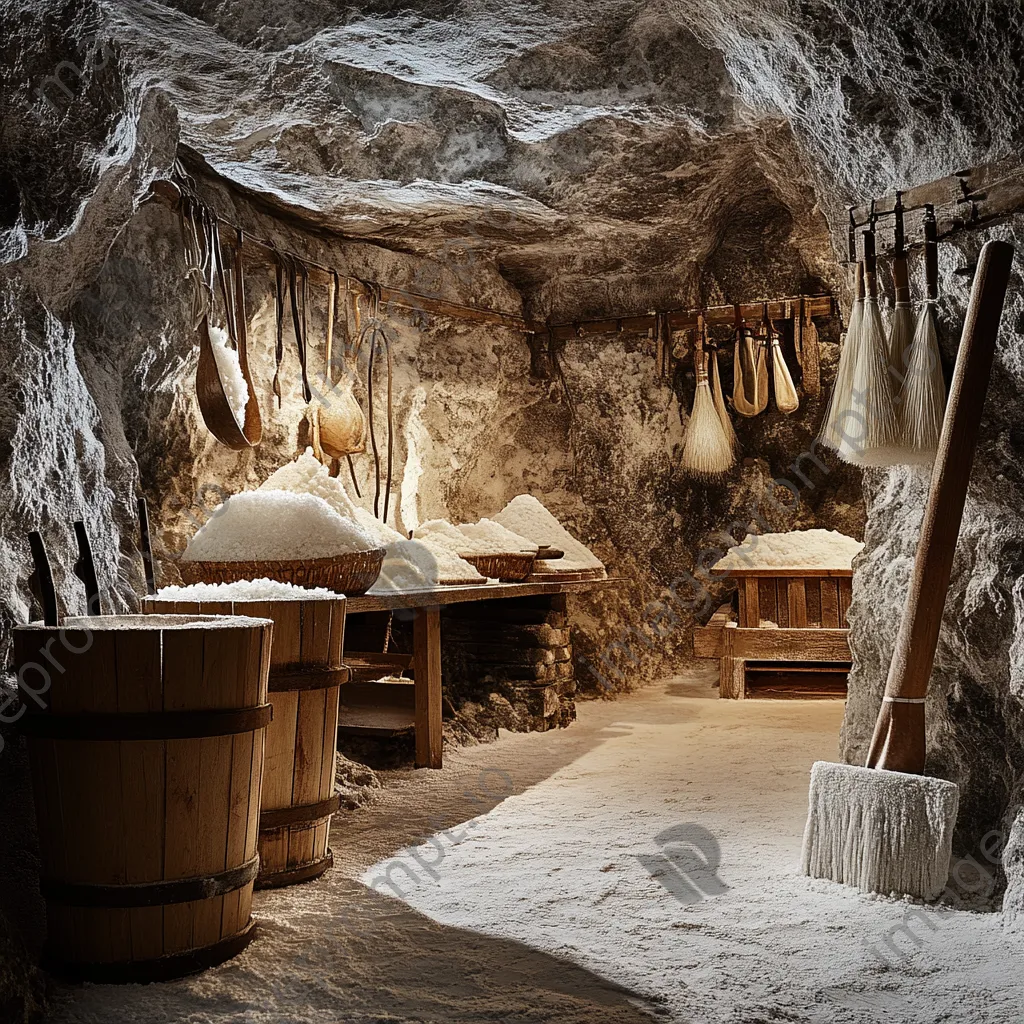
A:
(966, 199)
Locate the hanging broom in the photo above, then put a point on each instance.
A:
(761, 370)
(901, 327)
(888, 828)
(868, 429)
(839, 403)
(706, 451)
(923, 398)
(720, 407)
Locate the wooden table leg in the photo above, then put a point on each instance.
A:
(426, 646)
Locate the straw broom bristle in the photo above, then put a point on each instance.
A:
(720, 407)
(868, 428)
(924, 391)
(830, 434)
(901, 336)
(706, 451)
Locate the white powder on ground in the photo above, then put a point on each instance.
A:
(526, 516)
(245, 590)
(308, 475)
(416, 565)
(275, 525)
(798, 549)
(230, 372)
(490, 538)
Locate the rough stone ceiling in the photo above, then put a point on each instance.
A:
(601, 142)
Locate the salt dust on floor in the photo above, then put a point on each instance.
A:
(639, 866)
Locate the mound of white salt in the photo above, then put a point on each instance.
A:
(230, 372)
(382, 534)
(308, 475)
(272, 525)
(526, 516)
(798, 549)
(416, 565)
(245, 590)
(442, 533)
(490, 538)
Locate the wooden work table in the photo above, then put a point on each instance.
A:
(426, 607)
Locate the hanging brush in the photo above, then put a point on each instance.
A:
(870, 439)
(901, 328)
(707, 451)
(744, 369)
(923, 399)
(786, 399)
(716, 394)
(832, 428)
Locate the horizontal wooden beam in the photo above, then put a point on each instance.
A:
(684, 319)
(966, 199)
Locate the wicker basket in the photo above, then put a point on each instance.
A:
(511, 567)
(351, 574)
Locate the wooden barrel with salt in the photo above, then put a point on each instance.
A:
(145, 738)
(306, 675)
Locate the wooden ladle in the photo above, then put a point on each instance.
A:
(213, 402)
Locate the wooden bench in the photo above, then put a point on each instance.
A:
(373, 710)
(788, 619)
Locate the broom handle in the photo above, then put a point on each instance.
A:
(912, 660)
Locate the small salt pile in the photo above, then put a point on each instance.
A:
(415, 565)
(443, 534)
(230, 372)
(491, 538)
(245, 590)
(797, 549)
(275, 525)
(526, 516)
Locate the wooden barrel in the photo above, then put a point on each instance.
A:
(145, 738)
(306, 675)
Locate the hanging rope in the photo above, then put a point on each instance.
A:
(373, 334)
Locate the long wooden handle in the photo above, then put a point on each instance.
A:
(914, 655)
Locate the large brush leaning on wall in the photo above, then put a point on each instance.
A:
(706, 451)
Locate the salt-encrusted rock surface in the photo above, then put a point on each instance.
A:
(590, 158)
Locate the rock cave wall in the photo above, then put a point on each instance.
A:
(613, 156)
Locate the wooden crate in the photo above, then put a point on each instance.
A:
(784, 616)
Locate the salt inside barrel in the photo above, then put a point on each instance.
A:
(306, 676)
(145, 737)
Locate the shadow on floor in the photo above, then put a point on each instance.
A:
(337, 952)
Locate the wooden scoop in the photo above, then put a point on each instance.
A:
(342, 425)
(213, 402)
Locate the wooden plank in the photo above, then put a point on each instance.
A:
(309, 747)
(781, 601)
(140, 689)
(812, 593)
(215, 768)
(731, 671)
(442, 596)
(752, 604)
(845, 597)
(280, 751)
(380, 721)
(829, 604)
(791, 644)
(427, 673)
(796, 593)
(794, 570)
(767, 602)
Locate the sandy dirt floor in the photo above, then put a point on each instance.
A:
(639, 866)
